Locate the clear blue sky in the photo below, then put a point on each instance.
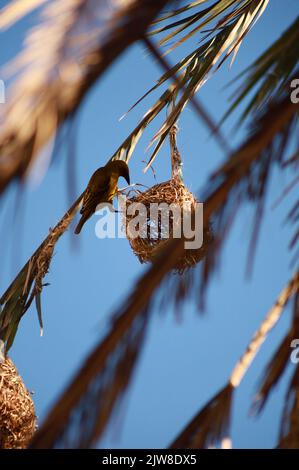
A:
(182, 364)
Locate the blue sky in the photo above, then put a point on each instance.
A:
(182, 364)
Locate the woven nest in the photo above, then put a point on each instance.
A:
(17, 414)
(147, 246)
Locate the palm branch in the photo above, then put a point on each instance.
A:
(270, 73)
(223, 41)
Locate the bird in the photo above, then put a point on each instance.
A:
(102, 187)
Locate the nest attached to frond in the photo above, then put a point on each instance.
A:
(155, 234)
(17, 413)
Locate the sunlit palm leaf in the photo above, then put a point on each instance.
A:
(236, 10)
(225, 40)
(16, 10)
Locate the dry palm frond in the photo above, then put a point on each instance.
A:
(271, 72)
(16, 10)
(289, 436)
(70, 424)
(280, 360)
(170, 14)
(248, 171)
(59, 422)
(231, 10)
(293, 218)
(52, 82)
(127, 147)
(198, 107)
(17, 414)
(273, 372)
(291, 290)
(191, 72)
(29, 282)
(211, 425)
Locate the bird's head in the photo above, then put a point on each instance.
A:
(119, 167)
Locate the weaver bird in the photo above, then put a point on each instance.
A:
(102, 187)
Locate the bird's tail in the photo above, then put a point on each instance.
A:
(80, 225)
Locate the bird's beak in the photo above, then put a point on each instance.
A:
(123, 170)
(127, 178)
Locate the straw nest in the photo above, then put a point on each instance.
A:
(17, 414)
(155, 234)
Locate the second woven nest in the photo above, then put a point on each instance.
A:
(146, 247)
(17, 414)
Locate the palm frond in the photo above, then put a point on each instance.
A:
(70, 424)
(74, 420)
(16, 10)
(28, 284)
(127, 147)
(178, 11)
(198, 107)
(291, 290)
(224, 41)
(289, 435)
(211, 425)
(232, 11)
(249, 171)
(270, 73)
(279, 361)
(293, 218)
(52, 82)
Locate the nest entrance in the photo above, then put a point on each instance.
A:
(158, 232)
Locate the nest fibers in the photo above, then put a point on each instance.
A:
(17, 414)
(156, 234)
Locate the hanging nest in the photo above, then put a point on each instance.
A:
(153, 236)
(17, 414)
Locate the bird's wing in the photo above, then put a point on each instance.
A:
(96, 191)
